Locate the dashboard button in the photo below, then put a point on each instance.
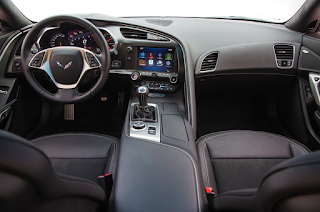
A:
(116, 64)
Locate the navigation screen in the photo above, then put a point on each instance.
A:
(155, 59)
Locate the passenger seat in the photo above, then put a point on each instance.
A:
(235, 163)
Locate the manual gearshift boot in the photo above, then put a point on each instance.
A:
(147, 114)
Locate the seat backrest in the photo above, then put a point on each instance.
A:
(28, 182)
(293, 185)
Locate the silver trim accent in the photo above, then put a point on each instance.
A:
(42, 33)
(8, 45)
(314, 84)
(69, 112)
(45, 65)
(205, 57)
(115, 48)
(292, 61)
(143, 133)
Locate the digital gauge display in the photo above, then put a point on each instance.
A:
(83, 39)
(156, 59)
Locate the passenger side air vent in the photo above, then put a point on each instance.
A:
(312, 26)
(134, 34)
(284, 55)
(209, 62)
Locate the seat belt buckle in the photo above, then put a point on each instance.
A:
(106, 182)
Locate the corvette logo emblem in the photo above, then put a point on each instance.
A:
(64, 67)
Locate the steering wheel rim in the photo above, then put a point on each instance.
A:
(66, 93)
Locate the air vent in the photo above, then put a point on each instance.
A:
(284, 52)
(18, 51)
(5, 25)
(312, 25)
(134, 34)
(284, 55)
(159, 22)
(209, 62)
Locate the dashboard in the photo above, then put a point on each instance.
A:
(157, 55)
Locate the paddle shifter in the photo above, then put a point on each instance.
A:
(143, 111)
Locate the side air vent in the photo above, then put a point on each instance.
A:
(209, 62)
(5, 25)
(312, 26)
(18, 51)
(284, 55)
(134, 34)
(159, 22)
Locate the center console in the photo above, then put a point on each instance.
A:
(158, 168)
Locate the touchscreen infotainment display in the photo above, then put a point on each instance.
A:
(155, 59)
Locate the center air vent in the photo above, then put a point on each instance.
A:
(142, 35)
(209, 62)
(134, 34)
(284, 55)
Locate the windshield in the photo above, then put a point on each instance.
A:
(277, 11)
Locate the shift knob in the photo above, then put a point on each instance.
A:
(142, 93)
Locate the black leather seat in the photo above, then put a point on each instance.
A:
(81, 154)
(29, 183)
(236, 163)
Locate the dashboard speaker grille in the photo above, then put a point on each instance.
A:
(209, 62)
(134, 34)
(284, 51)
(159, 22)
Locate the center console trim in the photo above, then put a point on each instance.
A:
(143, 133)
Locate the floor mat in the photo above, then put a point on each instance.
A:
(93, 116)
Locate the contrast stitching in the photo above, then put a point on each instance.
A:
(220, 134)
(205, 163)
(262, 133)
(92, 135)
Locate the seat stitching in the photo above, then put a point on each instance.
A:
(301, 146)
(205, 163)
(113, 155)
(93, 135)
(219, 134)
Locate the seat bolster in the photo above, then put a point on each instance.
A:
(206, 166)
(250, 144)
(295, 178)
(82, 145)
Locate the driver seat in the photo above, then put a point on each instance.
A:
(30, 181)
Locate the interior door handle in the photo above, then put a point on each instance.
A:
(314, 80)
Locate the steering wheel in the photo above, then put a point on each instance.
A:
(65, 65)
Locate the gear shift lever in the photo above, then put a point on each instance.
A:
(143, 111)
(142, 93)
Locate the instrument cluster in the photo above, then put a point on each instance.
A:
(79, 37)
